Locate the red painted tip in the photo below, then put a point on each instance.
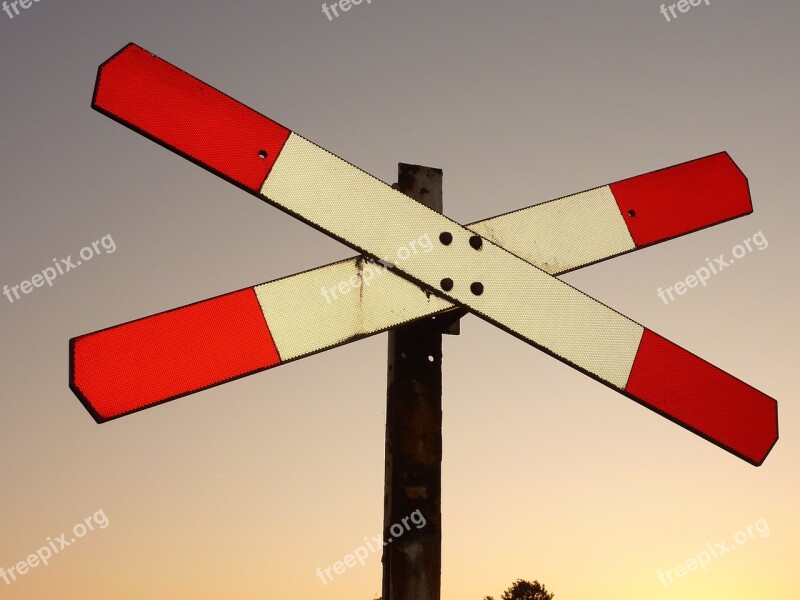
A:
(189, 117)
(133, 366)
(704, 399)
(677, 200)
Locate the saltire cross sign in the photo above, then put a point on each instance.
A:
(503, 269)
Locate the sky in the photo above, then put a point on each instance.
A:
(244, 490)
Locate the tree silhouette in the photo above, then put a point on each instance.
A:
(525, 590)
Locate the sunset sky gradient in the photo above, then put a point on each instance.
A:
(243, 490)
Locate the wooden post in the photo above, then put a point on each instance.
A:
(412, 561)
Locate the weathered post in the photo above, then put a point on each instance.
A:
(412, 561)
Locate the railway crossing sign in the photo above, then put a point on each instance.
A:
(413, 262)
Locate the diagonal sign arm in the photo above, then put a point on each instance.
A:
(470, 270)
(148, 361)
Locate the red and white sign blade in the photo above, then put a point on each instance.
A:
(149, 361)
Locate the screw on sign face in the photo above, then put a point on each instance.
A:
(491, 268)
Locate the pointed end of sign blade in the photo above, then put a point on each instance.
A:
(143, 363)
(771, 440)
(178, 111)
(128, 48)
(703, 398)
(684, 198)
(77, 389)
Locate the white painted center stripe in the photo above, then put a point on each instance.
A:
(564, 234)
(360, 209)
